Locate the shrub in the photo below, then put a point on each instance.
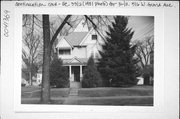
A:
(58, 74)
(91, 77)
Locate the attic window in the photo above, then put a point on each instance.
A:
(94, 37)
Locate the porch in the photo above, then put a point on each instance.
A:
(76, 75)
(76, 67)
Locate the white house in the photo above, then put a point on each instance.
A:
(76, 48)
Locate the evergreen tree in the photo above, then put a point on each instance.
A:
(117, 65)
(91, 77)
(58, 74)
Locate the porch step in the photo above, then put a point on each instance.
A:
(75, 84)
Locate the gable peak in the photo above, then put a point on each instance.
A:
(81, 27)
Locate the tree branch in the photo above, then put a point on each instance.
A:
(95, 27)
(59, 29)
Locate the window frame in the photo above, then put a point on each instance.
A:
(63, 52)
(94, 37)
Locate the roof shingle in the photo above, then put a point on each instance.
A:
(75, 38)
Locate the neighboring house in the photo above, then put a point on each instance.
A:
(140, 80)
(24, 82)
(38, 78)
(24, 76)
(76, 48)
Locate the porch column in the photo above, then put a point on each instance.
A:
(81, 75)
(58, 52)
(70, 73)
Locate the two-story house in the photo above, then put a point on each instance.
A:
(75, 50)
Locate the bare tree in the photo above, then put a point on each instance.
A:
(48, 43)
(31, 54)
(36, 23)
(144, 51)
(46, 60)
(31, 45)
(145, 54)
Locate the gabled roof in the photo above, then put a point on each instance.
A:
(75, 38)
(61, 39)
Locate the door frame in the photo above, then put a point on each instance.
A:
(76, 73)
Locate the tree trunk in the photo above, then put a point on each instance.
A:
(30, 76)
(30, 73)
(45, 96)
(45, 89)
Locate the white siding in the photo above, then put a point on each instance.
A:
(92, 49)
(93, 46)
(76, 52)
(81, 27)
(88, 40)
(63, 43)
(79, 52)
(65, 56)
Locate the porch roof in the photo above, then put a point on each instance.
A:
(75, 61)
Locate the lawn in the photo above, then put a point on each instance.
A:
(104, 92)
(132, 96)
(35, 92)
(137, 95)
(123, 101)
(31, 95)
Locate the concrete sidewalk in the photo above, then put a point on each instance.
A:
(72, 98)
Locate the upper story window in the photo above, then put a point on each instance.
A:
(64, 51)
(95, 55)
(92, 54)
(94, 37)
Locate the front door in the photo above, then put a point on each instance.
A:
(76, 72)
(75, 83)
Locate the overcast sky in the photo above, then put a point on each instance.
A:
(143, 26)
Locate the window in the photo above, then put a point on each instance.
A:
(64, 51)
(94, 37)
(38, 76)
(94, 54)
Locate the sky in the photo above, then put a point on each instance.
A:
(143, 26)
